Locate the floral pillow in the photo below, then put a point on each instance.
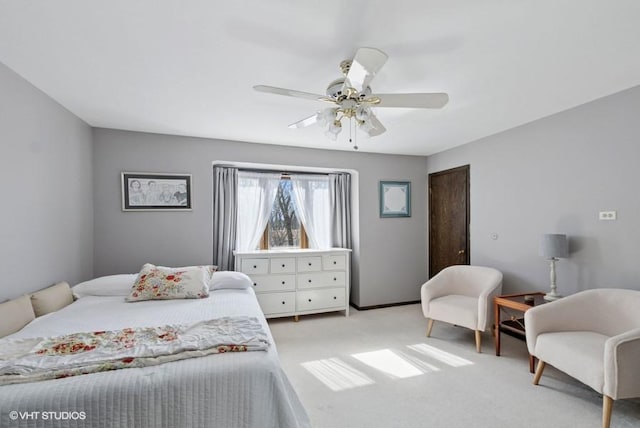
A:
(163, 283)
(210, 269)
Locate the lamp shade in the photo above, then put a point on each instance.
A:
(554, 245)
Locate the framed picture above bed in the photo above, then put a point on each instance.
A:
(395, 199)
(145, 191)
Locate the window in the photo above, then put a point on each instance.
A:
(284, 229)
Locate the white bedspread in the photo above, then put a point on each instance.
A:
(244, 389)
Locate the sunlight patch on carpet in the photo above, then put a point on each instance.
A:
(418, 362)
(389, 362)
(440, 355)
(336, 374)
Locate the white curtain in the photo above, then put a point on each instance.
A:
(311, 193)
(256, 193)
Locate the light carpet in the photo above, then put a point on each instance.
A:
(377, 368)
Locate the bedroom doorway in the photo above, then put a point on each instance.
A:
(449, 218)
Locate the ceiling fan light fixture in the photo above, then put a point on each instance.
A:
(363, 113)
(333, 130)
(326, 116)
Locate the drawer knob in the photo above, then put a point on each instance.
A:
(255, 267)
(283, 302)
(282, 282)
(254, 284)
(335, 263)
(335, 297)
(335, 279)
(282, 264)
(309, 299)
(309, 280)
(309, 263)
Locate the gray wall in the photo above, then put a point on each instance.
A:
(554, 176)
(46, 220)
(392, 259)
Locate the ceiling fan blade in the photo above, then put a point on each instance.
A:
(376, 127)
(365, 65)
(434, 100)
(305, 122)
(288, 92)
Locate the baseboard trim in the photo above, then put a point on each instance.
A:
(386, 305)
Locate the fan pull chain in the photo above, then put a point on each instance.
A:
(352, 124)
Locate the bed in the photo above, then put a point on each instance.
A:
(235, 389)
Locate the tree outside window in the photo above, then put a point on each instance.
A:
(284, 229)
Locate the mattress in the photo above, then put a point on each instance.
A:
(240, 389)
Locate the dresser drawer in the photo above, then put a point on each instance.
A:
(277, 303)
(309, 264)
(309, 300)
(255, 266)
(282, 265)
(336, 279)
(263, 283)
(334, 262)
(321, 279)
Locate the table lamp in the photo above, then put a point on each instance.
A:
(553, 247)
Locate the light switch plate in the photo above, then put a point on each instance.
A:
(608, 215)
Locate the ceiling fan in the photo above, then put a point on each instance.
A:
(351, 97)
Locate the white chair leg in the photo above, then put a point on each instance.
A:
(607, 407)
(478, 341)
(539, 370)
(429, 327)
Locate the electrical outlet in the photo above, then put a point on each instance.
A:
(608, 215)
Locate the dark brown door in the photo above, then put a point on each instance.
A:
(448, 219)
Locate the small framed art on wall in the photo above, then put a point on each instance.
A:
(395, 199)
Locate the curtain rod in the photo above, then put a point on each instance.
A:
(285, 172)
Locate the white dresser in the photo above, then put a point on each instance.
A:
(298, 282)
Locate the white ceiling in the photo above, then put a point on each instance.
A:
(187, 67)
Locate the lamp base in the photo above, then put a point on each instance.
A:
(551, 296)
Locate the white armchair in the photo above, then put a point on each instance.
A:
(593, 336)
(461, 295)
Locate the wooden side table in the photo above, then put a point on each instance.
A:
(514, 306)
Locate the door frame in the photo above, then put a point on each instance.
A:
(466, 169)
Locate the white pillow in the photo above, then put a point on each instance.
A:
(229, 279)
(162, 283)
(110, 285)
